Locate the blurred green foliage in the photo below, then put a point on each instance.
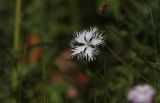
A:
(116, 69)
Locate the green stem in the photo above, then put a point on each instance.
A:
(17, 25)
(16, 45)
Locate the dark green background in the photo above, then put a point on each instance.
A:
(115, 70)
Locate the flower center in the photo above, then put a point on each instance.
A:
(89, 44)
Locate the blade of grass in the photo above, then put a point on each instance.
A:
(156, 82)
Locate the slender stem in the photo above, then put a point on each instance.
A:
(155, 43)
(16, 39)
(16, 45)
(155, 36)
(125, 63)
(134, 50)
(154, 31)
(17, 25)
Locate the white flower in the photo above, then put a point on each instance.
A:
(85, 44)
(141, 94)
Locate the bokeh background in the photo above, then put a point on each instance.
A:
(35, 61)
